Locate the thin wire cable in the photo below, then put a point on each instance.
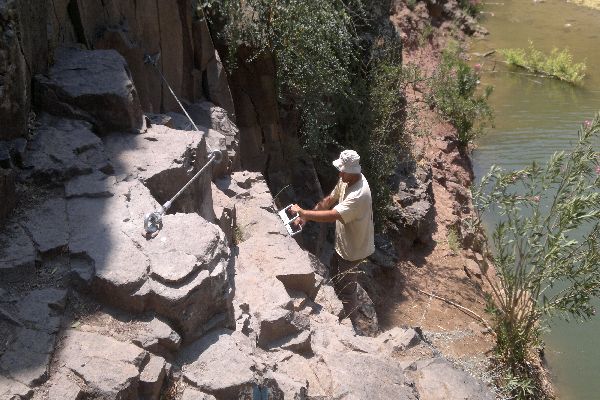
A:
(179, 102)
(210, 160)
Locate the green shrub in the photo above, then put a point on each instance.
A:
(559, 64)
(453, 93)
(472, 7)
(314, 45)
(545, 249)
(453, 240)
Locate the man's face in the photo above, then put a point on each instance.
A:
(345, 177)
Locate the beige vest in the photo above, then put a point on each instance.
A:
(354, 237)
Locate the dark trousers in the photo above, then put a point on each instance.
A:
(344, 277)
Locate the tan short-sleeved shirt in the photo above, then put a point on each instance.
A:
(354, 237)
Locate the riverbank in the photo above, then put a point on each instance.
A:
(433, 281)
(438, 286)
(587, 3)
(536, 117)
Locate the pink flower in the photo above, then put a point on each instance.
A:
(587, 123)
(598, 170)
(477, 67)
(536, 199)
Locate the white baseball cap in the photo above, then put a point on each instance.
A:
(349, 162)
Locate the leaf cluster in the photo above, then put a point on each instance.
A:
(558, 64)
(546, 247)
(453, 92)
(313, 44)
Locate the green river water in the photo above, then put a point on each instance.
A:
(535, 117)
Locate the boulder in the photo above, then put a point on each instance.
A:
(62, 387)
(12, 389)
(439, 379)
(109, 368)
(64, 148)
(41, 309)
(189, 282)
(215, 140)
(346, 374)
(291, 388)
(159, 338)
(280, 327)
(296, 342)
(212, 116)
(219, 364)
(363, 314)
(17, 254)
(190, 393)
(93, 85)
(398, 339)
(328, 300)
(27, 356)
(152, 378)
(181, 275)
(385, 254)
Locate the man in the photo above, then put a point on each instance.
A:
(353, 217)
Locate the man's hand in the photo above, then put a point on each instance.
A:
(298, 222)
(295, 209)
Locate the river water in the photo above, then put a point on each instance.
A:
(535, 117)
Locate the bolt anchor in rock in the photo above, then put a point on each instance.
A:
(153, 220)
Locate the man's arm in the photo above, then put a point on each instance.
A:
(317, 215)
(325, 204)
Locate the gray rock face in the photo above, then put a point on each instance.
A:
(412, 213)
(217, 118)
(28, 325)
(110, 369)
(64, 148)
(225, 212)
(165, 159)
(96, 184)
(27, 357)
(14, 103)
(47, 224)
(7, 193)
(438, 379)
(11, 152)
(94, 85)
(17, 254)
